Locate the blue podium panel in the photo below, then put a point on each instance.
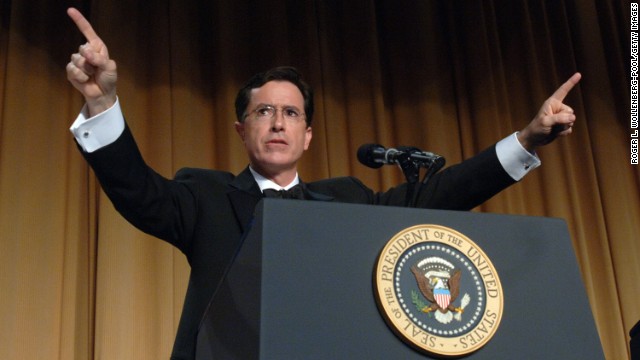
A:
(302, 287)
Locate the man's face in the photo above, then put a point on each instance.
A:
(274, 144)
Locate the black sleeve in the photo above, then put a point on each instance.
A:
(466, 185)
(152, 203)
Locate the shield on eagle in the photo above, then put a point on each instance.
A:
(442, 296)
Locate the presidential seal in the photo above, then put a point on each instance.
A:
(438, 291)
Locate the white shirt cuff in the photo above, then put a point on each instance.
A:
(515, 159)
(98, 131)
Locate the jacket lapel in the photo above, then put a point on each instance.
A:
(244, 196)
(312, 195)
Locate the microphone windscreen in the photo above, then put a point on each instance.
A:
(366, 155)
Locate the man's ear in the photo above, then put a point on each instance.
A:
(239, 129)
(307, 137)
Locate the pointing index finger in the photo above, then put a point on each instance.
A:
(83, 25)
(564, 89)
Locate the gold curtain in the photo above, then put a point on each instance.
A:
(453, 77)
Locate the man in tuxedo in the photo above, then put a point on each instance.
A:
(204, 213)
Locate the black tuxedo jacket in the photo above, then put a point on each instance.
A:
(204, 213)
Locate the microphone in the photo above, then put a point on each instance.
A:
(375, 155)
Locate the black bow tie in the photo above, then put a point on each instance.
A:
(293, 193)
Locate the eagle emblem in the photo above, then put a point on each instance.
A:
(439, 283)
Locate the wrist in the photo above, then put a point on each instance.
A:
(523, 139)
(100, 105)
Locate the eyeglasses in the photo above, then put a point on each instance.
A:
(267, 112)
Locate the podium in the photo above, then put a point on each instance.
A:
(301, 286)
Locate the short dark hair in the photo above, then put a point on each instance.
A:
(282, 73)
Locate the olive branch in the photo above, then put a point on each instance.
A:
(417, 301)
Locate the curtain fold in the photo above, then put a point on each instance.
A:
(448, 77)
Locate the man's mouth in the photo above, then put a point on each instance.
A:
(276, 142)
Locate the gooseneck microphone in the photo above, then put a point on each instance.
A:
(410, 160)
(375, 155)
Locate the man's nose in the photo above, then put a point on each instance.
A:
(278, 122)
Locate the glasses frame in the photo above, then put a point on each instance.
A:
(273, 110)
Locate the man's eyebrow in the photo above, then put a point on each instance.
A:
(285, 106)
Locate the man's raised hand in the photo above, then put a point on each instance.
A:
(90, 69)
(554, 118)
